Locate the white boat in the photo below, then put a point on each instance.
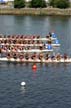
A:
(38, 51)
(25, 51)
(36, 39)
(32, 45)
(46, 48)
(68, 60)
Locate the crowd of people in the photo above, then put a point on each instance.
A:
(13, 46)
(24, 40)
(34, 56)
(18, 43)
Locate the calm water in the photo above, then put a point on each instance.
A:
(50, 85)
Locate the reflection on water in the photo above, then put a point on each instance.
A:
(23, 89)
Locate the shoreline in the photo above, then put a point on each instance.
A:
(36, 11)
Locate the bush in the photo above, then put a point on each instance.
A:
(51, 2)
(19, 3)
(59, 3)
(37, 4)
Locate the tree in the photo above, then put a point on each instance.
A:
(19, 3)
(51, 2)
(38, 3)
(59, 3)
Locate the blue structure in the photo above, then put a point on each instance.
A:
(56, 41)
(54, 35)
(49, 47)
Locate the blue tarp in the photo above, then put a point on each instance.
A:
(54, 35)
(49, 47)
(56, 41)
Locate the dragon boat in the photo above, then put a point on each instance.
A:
(31, 49)
(30, 45)
(18, 60)
(28, 37)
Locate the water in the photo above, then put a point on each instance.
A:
(50, 85)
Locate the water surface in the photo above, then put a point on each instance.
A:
(50, 85)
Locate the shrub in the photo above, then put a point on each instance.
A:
(38, 3)
(19, 3)
(59, 3)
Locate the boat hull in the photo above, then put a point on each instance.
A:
(31, 45)
(35, 61)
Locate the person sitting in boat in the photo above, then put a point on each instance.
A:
(65, 56)
(0, 36)
(5, 41)
(53, 56)
(0, 50)
(33, 42)
(38, 42)
(34, 56)
(50, 34)
(15, 56)
(21, 56)
(8, 55)
(38, 37)
(26, 56)
(58, 56)
(40, 47)
(40, 56)
(21, 36)
(47, 56)
(49, 41)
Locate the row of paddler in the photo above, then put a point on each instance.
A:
(33, 56)
(51, 36)
(29, 43)
(11, 48)
(26, 41)
(18, 41)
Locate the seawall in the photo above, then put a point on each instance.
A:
(38, 11)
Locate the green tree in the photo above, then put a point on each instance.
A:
(19, 3)
(59, 3)
(38, 3)
(51, 2)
